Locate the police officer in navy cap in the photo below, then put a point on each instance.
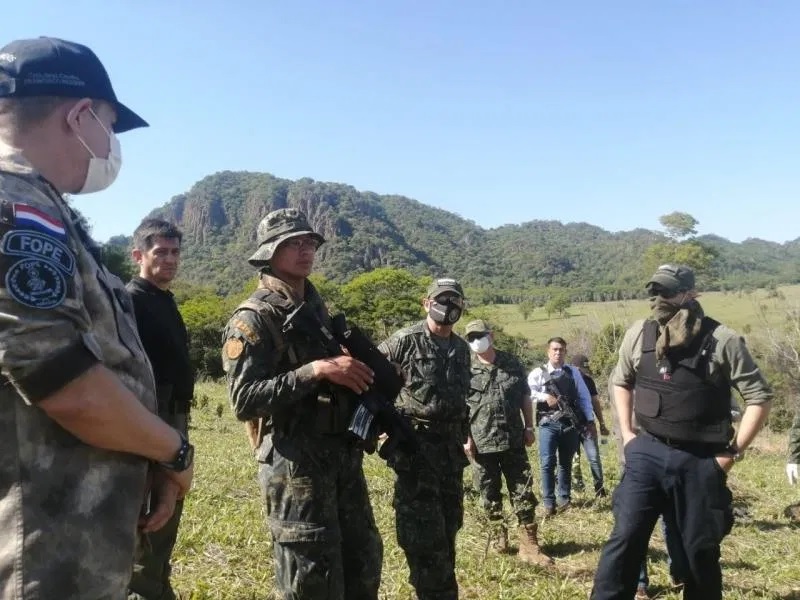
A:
(78, 433)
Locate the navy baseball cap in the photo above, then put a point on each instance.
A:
(48, 66)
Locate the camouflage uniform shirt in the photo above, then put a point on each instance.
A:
(436, 381)
(496, 395)
(68, 511)
(263, 381)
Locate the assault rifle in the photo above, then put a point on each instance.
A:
(566, 407)
(375, 413)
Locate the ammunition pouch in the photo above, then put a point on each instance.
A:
(332, 412)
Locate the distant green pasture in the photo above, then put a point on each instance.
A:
(739, 310)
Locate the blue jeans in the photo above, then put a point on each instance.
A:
(592, 450)
(556, 436)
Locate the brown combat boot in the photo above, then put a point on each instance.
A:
(498, 539)
(529, 550)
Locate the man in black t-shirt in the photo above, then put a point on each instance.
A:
(157, 251)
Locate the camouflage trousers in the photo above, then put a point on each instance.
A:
(325, 542)
(490, 468)
(150, 580)
(429, 507)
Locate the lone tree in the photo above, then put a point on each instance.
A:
(679, 225)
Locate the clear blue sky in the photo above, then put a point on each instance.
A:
(613, 113)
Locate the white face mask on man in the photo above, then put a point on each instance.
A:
(480, 345)
(102, 171)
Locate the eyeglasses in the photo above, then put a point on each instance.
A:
(450, 299)
(301, 244)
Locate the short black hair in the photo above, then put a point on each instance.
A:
(148, 230)
(557, 340)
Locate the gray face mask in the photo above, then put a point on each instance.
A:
(444, 314)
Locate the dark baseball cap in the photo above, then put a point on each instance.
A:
(47, 66)
(444, 284)
(672, 279)
(277, 226)
(581, 360)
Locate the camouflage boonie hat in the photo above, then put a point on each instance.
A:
(276, 227)
(478, 326)
(442, 285)
(672, 279)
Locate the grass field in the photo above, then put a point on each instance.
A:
(738, 310)
(224, 551)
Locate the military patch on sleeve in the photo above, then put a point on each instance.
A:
(233, 348)
(34, 267)
(32, 244)
(36, 283)
(250, 335)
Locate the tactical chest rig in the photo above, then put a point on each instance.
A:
(674, 399)
(561, 384)
(325, 412)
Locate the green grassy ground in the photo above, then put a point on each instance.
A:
(224, 552)
(736, 309)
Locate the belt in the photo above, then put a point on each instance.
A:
(440, 428)
(698, 448)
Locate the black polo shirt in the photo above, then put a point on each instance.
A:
(166, 342)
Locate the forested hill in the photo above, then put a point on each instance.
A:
(364, 230)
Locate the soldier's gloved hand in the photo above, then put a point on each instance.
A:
(591, 430)
(603, 429)
(791, 473)
(345, 371)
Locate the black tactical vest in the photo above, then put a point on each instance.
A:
(675, 400)
(562, 383)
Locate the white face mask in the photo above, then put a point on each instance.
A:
(102, 171)
(480, 345)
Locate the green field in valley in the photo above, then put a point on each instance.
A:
(739, 310)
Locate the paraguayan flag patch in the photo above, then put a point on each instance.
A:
(33, 218)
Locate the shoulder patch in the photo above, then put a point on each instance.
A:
(32, 244)
(233, 348)
(36, 283)
(32, 218)
(250, 335)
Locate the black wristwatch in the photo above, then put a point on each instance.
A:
(184, 457)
